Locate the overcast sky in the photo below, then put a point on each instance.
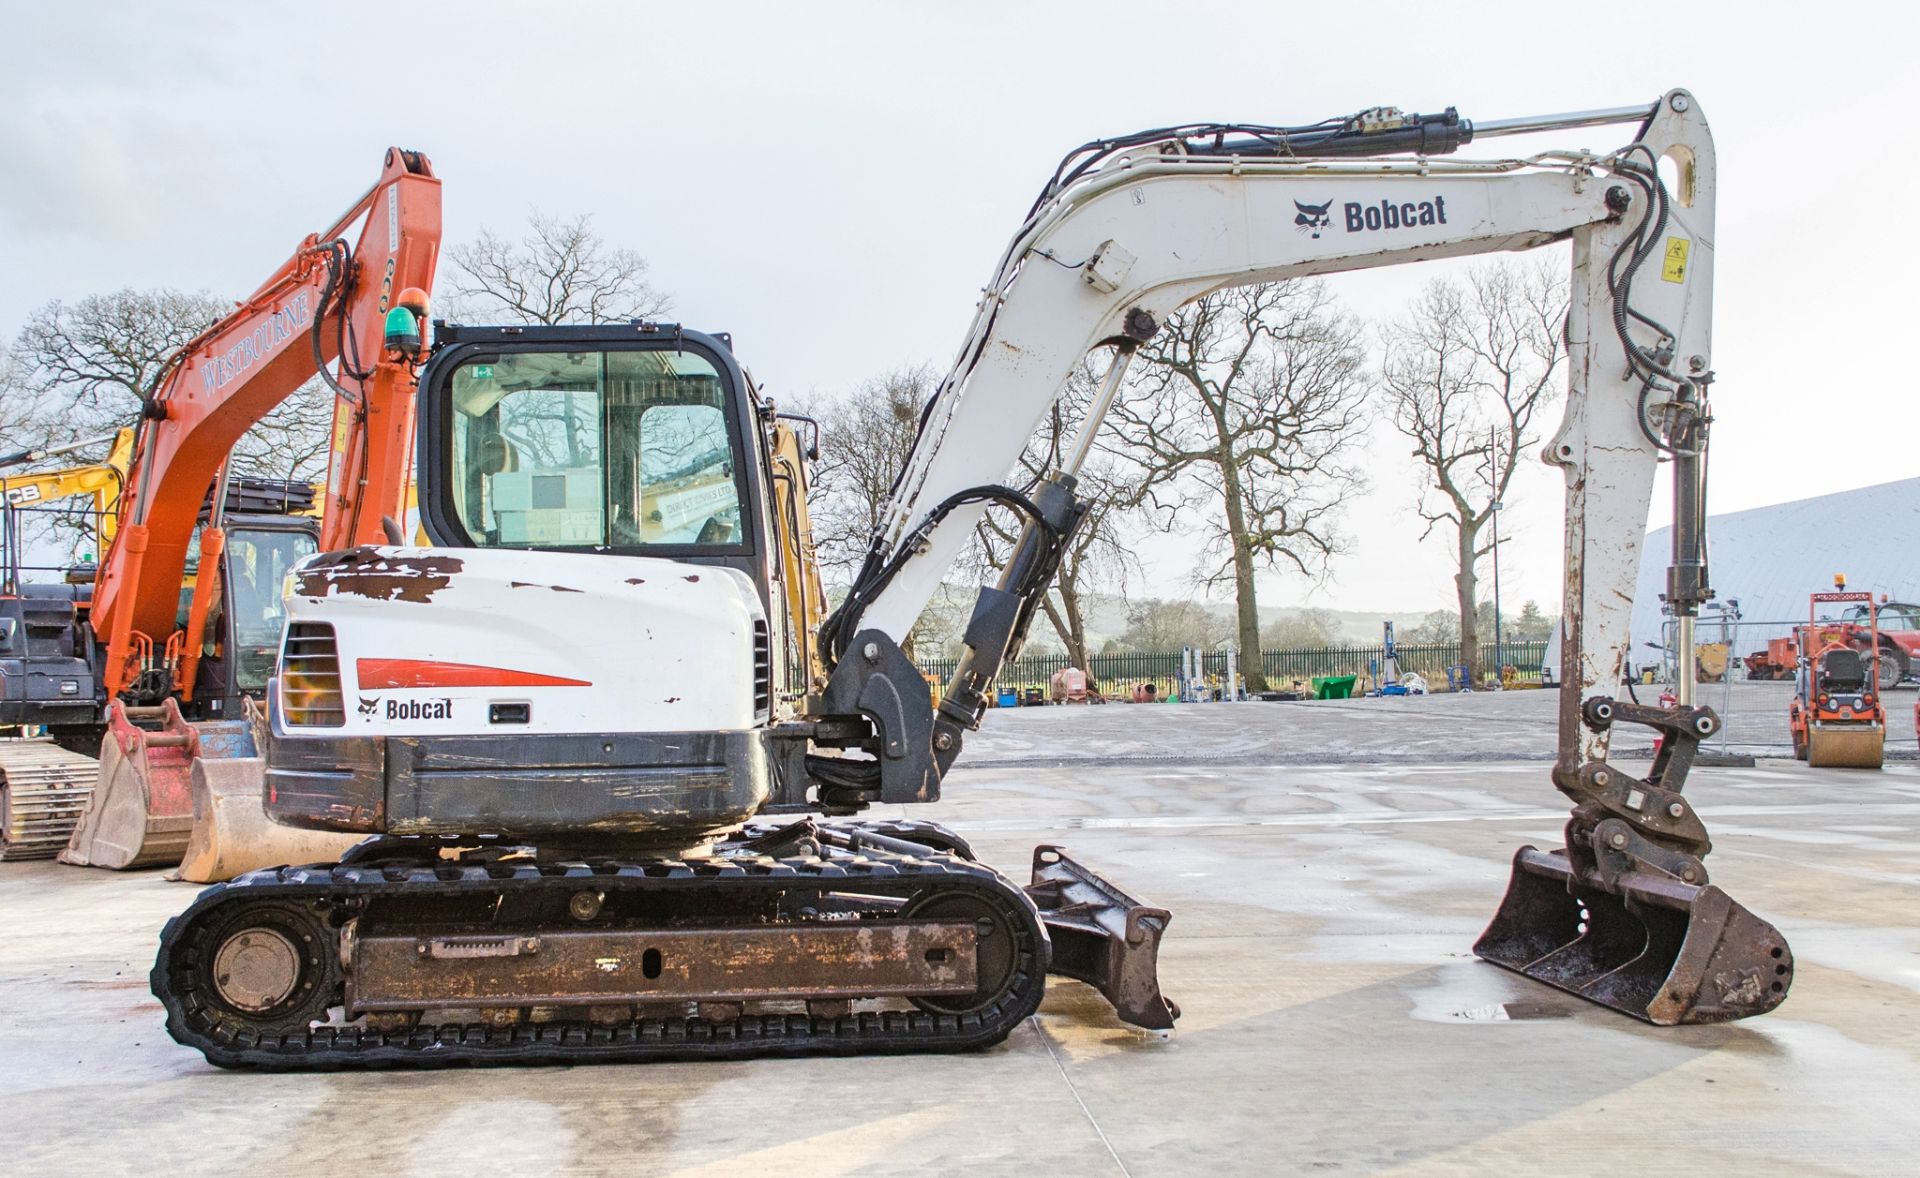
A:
(832, 182)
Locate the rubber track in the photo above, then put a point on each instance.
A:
(195, 1024)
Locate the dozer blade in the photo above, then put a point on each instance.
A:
(1848, 746)
(231, 831)
(1657, 949)
(1103, 937)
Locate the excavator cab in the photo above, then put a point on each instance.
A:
(597, 594)
(242, 638)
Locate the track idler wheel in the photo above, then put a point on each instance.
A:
(996, 954)
(268, 968)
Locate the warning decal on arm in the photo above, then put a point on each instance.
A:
(1674, 267)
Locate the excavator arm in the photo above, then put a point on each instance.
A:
(1132, 230)
(101, 480)
(328, 302)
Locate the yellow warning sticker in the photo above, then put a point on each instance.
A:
(1674, 268)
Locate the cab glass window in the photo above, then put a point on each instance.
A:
(258, 563)
(621, 449)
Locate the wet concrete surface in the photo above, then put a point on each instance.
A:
(1334, 1018)
(1480, 726)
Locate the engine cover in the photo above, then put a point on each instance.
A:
(504, 692)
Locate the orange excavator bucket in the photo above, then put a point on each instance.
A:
(1624, 915)
(187, 793)
(141, 808)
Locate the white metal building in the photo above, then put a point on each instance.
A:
(1769, 558)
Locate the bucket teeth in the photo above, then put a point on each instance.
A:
(1656, 948)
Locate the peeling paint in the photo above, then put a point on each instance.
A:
(366, 572)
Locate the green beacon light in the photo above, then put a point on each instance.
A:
(403, 332)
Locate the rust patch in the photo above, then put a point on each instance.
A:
(692, 577)
(534, 585)
(364, 572)
(636, 580)
(672, 699)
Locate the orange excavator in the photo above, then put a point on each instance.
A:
(174, 774)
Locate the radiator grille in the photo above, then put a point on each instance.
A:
(310, 695)
(762, 671)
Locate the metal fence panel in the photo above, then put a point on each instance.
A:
(1114, 669)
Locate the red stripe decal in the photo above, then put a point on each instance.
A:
(385, 673)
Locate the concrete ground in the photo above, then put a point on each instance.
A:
(1335, 1020)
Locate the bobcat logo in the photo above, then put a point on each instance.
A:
(1312, 218)
(368, 706)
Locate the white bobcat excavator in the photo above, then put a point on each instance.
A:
(574, 721)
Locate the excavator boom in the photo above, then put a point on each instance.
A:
(173, 784)
(327, 302)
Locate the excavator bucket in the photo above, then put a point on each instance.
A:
(1658, 949)
(1846, 746)
(141, 809)
(1103, 937)
(141, 813)
(231, 831)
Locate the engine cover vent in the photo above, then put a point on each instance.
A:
(310, 695)
(762, 671)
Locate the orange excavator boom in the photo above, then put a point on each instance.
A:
(327, 302)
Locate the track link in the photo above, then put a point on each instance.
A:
(843, 871)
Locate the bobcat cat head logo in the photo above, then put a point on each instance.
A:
(367, 706)
(1312, 218)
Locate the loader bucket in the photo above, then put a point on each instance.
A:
(1103, 937)
(142, 807)
(231, 831)
(1658, 949)
(1846, 746)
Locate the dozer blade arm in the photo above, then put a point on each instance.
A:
(1103, 937)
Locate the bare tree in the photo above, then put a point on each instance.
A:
(1241, 420)
(865, 437)
(294, 441)
(1467, 370)
(1156, 626)
(87, 366)
(561, 271)
(15, 404)
(1097, 554)
(84, 368)
(1439, 627)
(1306, 629)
